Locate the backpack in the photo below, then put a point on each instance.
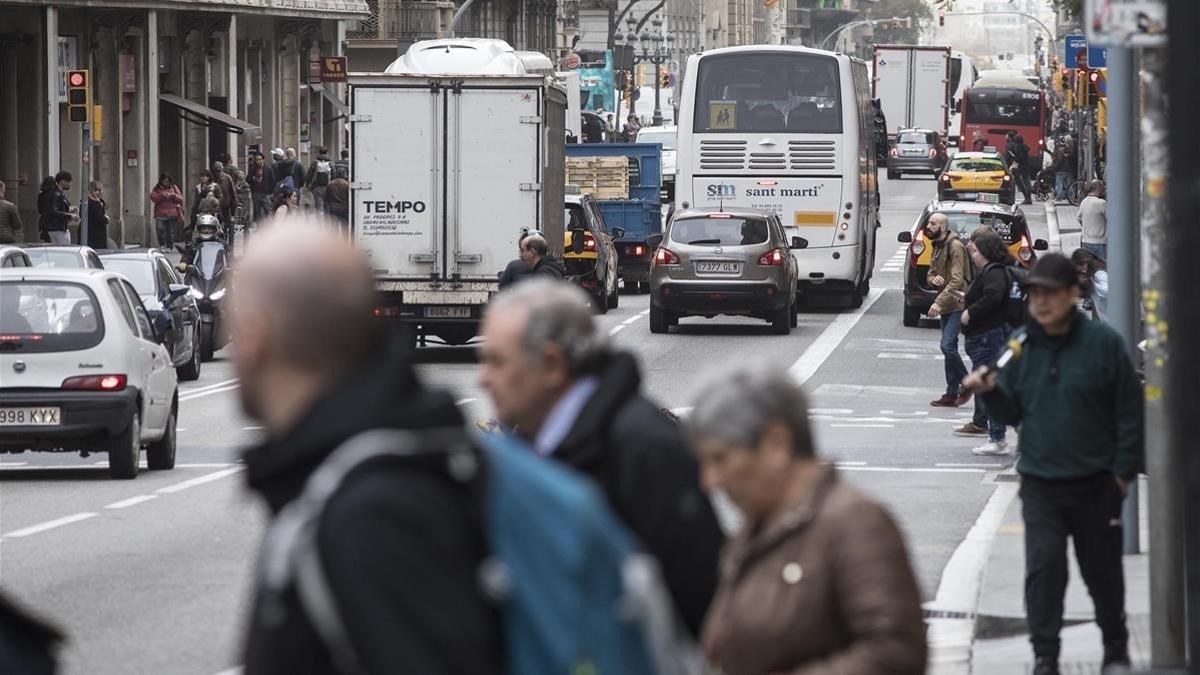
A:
(574, 594)
(323, 171)
(1015, 309)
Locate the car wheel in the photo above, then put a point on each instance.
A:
(124, 451)
(781, 320)
(160, 454)
(190, 370)
(614, 298)
(600, 301)
(856, 296)
(660, 320)
(206, 342)
(912, 316)
(795, 320)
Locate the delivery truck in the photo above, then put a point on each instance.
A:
(456, 149)
(913, 87)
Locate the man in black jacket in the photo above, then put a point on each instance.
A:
(535, 251)
(401, 544)
(552, 375)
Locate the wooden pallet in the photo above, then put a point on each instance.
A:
(601, 177)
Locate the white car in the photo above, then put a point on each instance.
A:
(81, 369)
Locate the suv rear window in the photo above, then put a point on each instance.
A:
(729, 231)
(916, 137)
(48, 316)
(963, 223)
(976, 164)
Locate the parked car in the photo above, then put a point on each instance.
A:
(171, 305)
(70, 257)
(724, 261)
(14, 256)
(83, 369)
(589, 255)
(1008, 221)
(916, 151)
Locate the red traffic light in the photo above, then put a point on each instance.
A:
(76, 79)
(1094, 76)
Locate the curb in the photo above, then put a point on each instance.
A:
(1052, 224)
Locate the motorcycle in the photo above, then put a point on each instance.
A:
(208, 276)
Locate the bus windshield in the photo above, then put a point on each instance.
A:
(1021, 109)
(766, 92)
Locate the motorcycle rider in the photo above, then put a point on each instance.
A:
(208, 228)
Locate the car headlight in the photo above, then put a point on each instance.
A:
(196, 293)
(220, 293)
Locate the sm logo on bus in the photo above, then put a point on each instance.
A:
(381, 206)
(722, 191)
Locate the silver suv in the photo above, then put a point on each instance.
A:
(724, 261)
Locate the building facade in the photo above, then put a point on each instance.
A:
(179, 83)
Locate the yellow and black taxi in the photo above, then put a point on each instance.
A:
(589, 255)
(1008, 221)
(977, 176)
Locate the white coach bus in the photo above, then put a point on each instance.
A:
(786, 129)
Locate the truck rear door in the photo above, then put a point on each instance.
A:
(395, 207)
(494, 185)
(931, 89)
(891, 86)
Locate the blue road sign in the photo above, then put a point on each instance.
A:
(1075, 54)
(1097, 56)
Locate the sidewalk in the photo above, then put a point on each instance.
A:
(1001, 644)
(1069, 232)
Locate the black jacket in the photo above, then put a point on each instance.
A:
(549, 266)
(987, 299)
(641, 461)
(54, 210)
(97, 225)
(514, 271)
(401, 544)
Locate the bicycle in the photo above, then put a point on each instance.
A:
(1076, 192)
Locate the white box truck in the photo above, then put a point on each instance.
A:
(455, 149)
(913, 86)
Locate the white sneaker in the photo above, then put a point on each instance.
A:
(992, 448)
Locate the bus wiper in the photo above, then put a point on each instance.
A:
(701, 242)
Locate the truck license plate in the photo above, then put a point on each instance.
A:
(447, 312)
(35, 417)
(716, 267)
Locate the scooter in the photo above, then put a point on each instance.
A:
(209, 278)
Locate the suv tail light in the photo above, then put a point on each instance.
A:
(894, 152)
(589, 242)
(933, 152)
(772, 258)
(945, 178)
(1007, 178)
(96, 383)
(1025, 253)
(917, 248)
(665, 256)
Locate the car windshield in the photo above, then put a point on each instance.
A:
(915, 138)
(963, 223)
(139, 271)
(48, 316)
(976, 164)
(768, 92)
(731, 231)
(41, 257)
(666, 138)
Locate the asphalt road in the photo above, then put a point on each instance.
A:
(152, 575)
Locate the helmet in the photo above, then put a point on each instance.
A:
(208, 227)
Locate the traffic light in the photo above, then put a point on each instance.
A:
(79, 96)
(941, 17)
(665, 77)
(1096, 86)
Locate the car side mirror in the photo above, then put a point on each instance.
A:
(904, 237)
(618, 232)
(654, 240)
(577, 241)
(1041, 245)
(799, 242)
(175, 291)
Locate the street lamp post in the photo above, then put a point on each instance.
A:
(656, 50)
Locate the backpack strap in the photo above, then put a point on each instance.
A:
(291, 555)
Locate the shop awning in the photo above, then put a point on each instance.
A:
(328, 92)
(202, 114)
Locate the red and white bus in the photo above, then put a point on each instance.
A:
(997, 104)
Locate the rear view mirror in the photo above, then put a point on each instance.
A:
(904, 237)
(577, 241)
(799, 242)
(177, 291)
(654, 240)
(1041, 245)
(618, 232)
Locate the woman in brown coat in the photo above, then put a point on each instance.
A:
(818, 580)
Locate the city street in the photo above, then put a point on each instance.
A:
(151, 575)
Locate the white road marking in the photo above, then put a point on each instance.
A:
(863, 426)
(464, 401)
(950, 639)
(682, 412)
(616, 329)
(8, 465)
(644, 312)
(232, 671)
(206, 465)
(823, 347)
(132, 501)
(253, 428)
(179, 429)
(830, 411)
(910, 357)
(207, 478)
(631, 319)
(975, 465)
(846, 464)
(913, 469)
(206, 392)
(193, 390)
(50, 525)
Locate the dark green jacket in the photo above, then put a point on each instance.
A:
(1078, 403)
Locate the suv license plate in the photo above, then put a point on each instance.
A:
(989, 197)
(447, 312)
(712, 267)
(30, 417)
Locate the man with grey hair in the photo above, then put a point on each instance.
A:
(12, 231)
(535, 252)
(553, 376)
(399, 544)
(1093, 220)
